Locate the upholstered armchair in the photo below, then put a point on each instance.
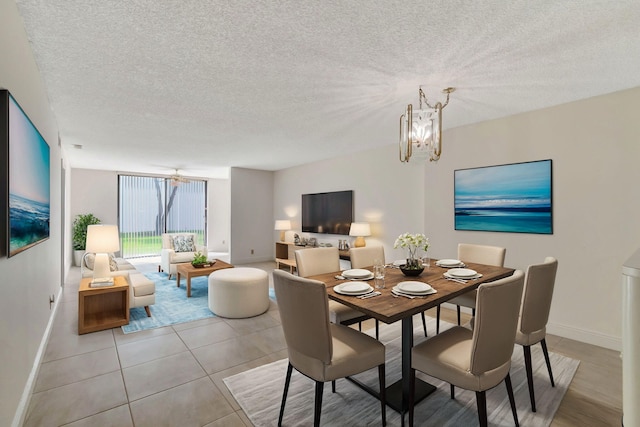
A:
(178, 248)
(117, 266)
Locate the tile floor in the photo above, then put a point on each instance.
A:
(173, 376)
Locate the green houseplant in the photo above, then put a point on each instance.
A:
(199, 260)
(79, 238)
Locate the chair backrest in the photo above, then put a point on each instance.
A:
(365, 256)
(537, 295)
(167, 239)
(496, 321)
(482, 254)
(310, 262)
(304, 313)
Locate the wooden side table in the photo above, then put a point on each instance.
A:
(103, 308)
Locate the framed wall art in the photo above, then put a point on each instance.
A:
(27, 179)
(514, 198)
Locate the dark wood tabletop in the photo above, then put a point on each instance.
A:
(389, 309)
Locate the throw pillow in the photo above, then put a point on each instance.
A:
(182, 243)
(113, 265)
(89, 260)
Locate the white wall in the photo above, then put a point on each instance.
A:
(251, 221)
(29, 278)
(387, 194)
(594, 148)
(218, 214)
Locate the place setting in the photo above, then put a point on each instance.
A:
(361, 290)
(450, 263)
(355, 274)
(461, 275)
(412, 289)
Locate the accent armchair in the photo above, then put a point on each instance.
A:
(178, 248)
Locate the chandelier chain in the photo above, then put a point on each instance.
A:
(421, 95)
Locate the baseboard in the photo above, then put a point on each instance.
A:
(586, 336)
(23, 405)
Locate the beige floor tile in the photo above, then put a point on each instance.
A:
(75, 401)
(269, 340)
(76, 368)
(207, 334)
(116, 417)
(196, 323)
(219, 356)
(122, 338)
(137, 352)
(62, 344)
(193, 404)
(161, 374)
(231, 420)
(253, 324)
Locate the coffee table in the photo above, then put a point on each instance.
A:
(190, 271)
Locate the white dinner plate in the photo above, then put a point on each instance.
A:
(414, 287)
(462, 273)
(449, 263)
(397, 290)
(353, 288)
(356, 273)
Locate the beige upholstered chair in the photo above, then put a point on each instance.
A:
(317, 348)
(534, 314)
(365, 256)
(477, 359)
(311, 262)
(170, 255)
(481, 254)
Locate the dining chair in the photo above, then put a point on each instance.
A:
(480, 254)
(534, 314)
(477, 359)
(311, 262)
(318, 349)
(366, 257)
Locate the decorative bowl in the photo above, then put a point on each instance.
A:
(412, 272)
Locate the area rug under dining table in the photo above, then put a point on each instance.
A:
(259, 393)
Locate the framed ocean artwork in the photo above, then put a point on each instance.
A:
(27, 181)
(515, 198)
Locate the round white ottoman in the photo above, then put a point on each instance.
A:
(238, 292)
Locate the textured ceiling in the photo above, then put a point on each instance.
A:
(149, 86)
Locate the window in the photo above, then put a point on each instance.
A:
(150, 206)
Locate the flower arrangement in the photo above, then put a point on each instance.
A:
(412, 242)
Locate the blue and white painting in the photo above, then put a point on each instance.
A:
(29, 192)
(511, 198)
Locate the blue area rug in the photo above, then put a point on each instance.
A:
(172, 305)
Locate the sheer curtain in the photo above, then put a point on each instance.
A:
(150, 206)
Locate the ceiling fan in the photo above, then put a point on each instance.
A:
(177, 179)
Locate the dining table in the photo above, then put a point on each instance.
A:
(390, 308)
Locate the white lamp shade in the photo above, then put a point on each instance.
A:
(103, 238)
(360, 229)
(283, 224)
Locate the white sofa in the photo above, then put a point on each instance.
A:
(170, 255)
(142, 291)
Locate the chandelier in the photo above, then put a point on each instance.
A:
(421, 130)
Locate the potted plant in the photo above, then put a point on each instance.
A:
(412, 242)
(79, 238)
(199, 260)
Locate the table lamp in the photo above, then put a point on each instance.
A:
(360, 230)
(101, 240)
(282, 225)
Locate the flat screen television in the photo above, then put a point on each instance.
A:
(327, 213)
(26, 181)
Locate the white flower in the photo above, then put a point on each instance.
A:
(412, 242)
